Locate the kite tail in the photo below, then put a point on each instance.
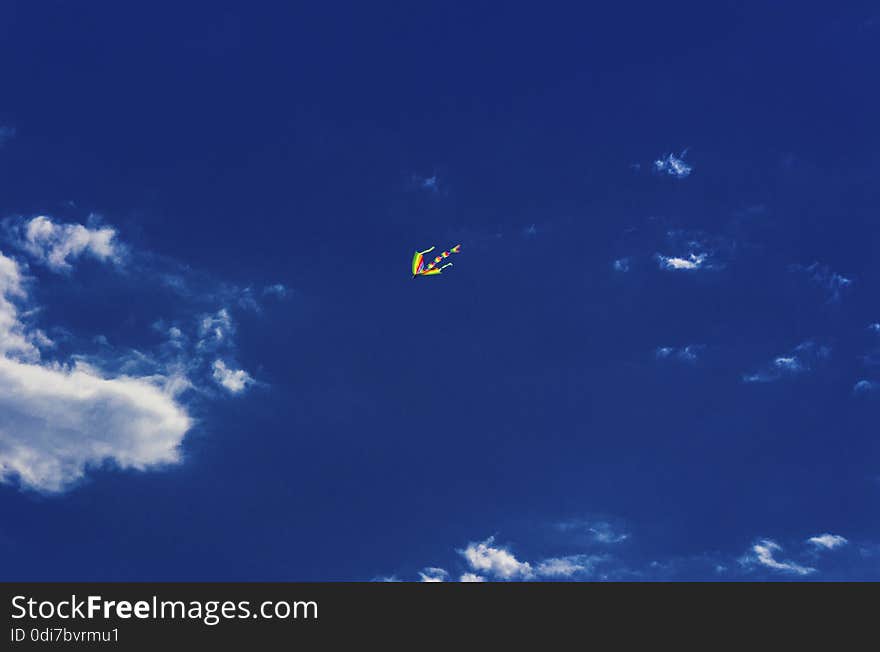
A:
(445, 266)
(445, 254)
(427, 251)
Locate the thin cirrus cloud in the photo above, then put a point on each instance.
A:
(429, 184)
(834, 285)
(6, 134)
(680, 250)
(568, 566)
(689, 354)
(276, 289)
(805, 358)
(63, 415)
(597, 531)
(763, 554)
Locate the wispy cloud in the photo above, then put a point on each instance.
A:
(568, 567)
(597, 531)
(673, 165)
(621, 265)
(833, 284)
(806, 357)
(690, 353)
(866, 387)
(763, 554)
(429, 184)
(6, 134)
(276, 290)
(215, 330)
(827, 541)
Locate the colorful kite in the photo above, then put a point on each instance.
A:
(418, 262)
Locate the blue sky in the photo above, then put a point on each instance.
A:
(656, 357)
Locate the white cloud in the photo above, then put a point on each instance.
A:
(691, 262)
(865, 387)
(472, 577)
(57, 421)
(433, 574)
(234, 380)
(621, 265)
(874, 328)
(56, 245)
(828, 541)
(496, 561)
(763, 554)
(673, 166)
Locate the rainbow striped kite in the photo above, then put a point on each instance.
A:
(418, 262)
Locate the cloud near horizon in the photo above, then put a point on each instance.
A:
(601, 559)
(763, 554)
